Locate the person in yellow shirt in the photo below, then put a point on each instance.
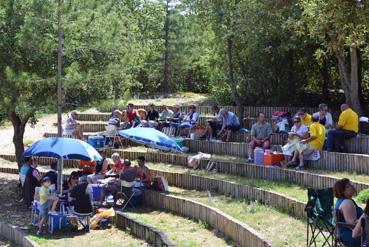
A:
(347, 127)
(305, 117)
(309, 145)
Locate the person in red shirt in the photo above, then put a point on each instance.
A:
(132, 117)
(117, 167)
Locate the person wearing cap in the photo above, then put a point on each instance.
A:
(347, 128)
(313, 143)
(115, 118)
(132, 117)
(81, 197)
(46, 202)
(230, 123)
(72, 127)
(152, 117)
(305, 117)
(298, 132)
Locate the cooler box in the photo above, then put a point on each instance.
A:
(96, 191)
(96, 141)
(270, 159)
(57, 221)
(259, 156)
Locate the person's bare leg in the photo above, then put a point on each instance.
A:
(55, 203)
(251, 148)
(301, 158)
(228, 135)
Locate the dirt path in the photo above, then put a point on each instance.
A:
(45, 124)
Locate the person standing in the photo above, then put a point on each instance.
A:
(347, 127)
(260, 136)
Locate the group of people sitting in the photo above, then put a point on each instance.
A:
(41, 191)
(310, 134)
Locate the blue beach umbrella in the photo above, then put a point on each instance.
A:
(152, 138)
(63, 148)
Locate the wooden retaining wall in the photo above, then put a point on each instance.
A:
(302, 178)
(349, 162)
(241, 233)
(141, 230)
(193, 182)
(16, 235)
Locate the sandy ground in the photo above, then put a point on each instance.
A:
(44, 124)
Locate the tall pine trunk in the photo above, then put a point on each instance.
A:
(19, 126)
(166, 50)
(233, 82)
(350, 78)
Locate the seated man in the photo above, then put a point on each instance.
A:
(305, 117)
(152, 117)
(114, 120)
(308, 146)
(230, 123)
(214, 125)
(175, 117)
(81, 198)
(143, 173)
(166, 113)
(325, 117)
(191, 119)
(132, 117)
(347, 127)
(260, 135)
(113, 185)
(71, 127)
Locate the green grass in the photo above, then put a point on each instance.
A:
(291, 190)
(352, 176)
(181, 231)
(278, 227)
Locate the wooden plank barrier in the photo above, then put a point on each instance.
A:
(16, 235)
(349, 162)
(141, 230)
(193, 182)
(253, 171)
(241, 233)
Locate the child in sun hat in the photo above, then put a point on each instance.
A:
(46, 202)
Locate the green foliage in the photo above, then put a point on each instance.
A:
(363, 196)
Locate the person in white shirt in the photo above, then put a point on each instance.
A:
(325, 117)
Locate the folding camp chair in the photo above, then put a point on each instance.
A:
(341, 224)
(169, 131)
(320, 223)
(111, 133)
(127, 193)
(364, 232)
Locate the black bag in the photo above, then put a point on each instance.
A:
(364, 128)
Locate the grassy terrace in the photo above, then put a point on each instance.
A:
(278, 227)
(287, 189)
(181, 231)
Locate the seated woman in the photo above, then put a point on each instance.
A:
(357, 231)
(117, 166)
(298, 132)
(70, 184)
(349, 211)
(152, 117)
(71, 127)
(143, 173)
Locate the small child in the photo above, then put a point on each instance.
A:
(46, 202)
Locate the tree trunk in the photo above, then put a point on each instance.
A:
(19, 128)
(166, 50)
(354, 92)
(349, 81)
(235, 96)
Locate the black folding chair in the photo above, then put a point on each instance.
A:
(320, 225)
(341, 224)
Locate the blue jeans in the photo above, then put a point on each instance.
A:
(336, 139)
